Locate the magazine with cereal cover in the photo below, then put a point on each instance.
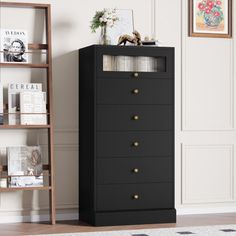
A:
(14, 90)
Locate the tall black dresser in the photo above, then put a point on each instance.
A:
(126, 135)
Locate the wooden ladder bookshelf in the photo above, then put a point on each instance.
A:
(48, 67)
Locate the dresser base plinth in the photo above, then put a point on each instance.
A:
(131, 217)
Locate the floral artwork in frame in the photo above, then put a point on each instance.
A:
(210, 18)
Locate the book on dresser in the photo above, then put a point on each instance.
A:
(1, 104)
(14, 45)
(33, 103)
(14, 90)
(25, 166)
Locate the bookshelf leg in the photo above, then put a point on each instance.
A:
(52, 207)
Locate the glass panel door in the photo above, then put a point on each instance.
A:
(134, 63)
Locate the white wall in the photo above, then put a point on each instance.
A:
(205, 132)
(205, 114)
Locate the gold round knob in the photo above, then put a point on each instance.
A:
(135, 91)
(135, 170)
(136, 197)
(135, 117)
(136, 74)
(135, 144)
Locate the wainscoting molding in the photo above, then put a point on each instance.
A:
(38, 217)
(207, 174)
(66, 146)
(193, 124)
(205, 210)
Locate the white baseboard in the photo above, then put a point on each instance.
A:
(205, 210)
(37, 218)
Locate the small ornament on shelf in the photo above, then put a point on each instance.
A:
(136, 39)
(150, 42)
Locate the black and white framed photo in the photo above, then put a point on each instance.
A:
(14, 45)
(124, 25)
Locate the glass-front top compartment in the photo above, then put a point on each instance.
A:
(134, 63)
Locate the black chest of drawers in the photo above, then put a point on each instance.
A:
(126, 135)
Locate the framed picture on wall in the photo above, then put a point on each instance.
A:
(210, 18)
(125, 25)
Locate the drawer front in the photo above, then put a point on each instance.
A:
(134, 170)
(135, 196)
(134, 144)
(165, 53)
(134, 117)
(118, 91)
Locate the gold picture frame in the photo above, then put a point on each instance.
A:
(210, 18)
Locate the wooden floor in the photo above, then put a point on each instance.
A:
(76, 226)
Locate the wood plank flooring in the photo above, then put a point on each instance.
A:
(76, 226)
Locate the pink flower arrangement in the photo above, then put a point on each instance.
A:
(210, 6)
(211, 10)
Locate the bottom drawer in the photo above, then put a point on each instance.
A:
(135, 196)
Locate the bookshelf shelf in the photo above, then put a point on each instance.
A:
(37, 46)
(25, 188)
(4, 167)
(25, 126)
(24, 5)
(46, 50)
(26, 65)
(9, 176)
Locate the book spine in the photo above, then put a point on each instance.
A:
(142, 64)
(107, 63)
(120, 63)
(129, 63)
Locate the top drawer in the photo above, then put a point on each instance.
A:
(125, 62)
(148, 91)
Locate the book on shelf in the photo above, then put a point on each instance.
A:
(125, 63)
(145, 64)
(26, 181)
(14, 46)
(1, 104)
(35, 104)
(3, 182)
(25, 166)
(107, 63)
(14, 90)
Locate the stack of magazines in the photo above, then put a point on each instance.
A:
(25, 166)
